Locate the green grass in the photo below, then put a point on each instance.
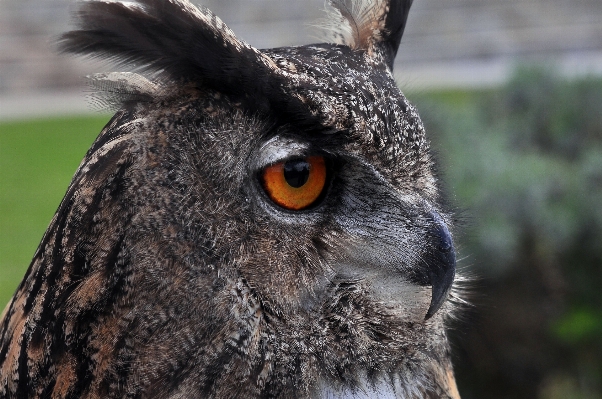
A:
(37, 160)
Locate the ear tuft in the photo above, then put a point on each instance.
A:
(173, 44)
(375, 26)
(171, 40)
(355, 23)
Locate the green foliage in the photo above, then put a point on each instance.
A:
(579, 325)
(37, 160)
(525, 162)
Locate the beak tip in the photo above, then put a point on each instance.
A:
(440, 291)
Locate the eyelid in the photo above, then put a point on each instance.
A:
(281, 149)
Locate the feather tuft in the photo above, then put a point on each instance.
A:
(174, 44)
(172, 40)
(375, 26)
(354, 23)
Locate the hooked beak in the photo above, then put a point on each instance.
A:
(442, 266)
(426, 260)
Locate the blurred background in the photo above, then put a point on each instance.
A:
(511, 95)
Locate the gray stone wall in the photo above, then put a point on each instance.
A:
(447, 42)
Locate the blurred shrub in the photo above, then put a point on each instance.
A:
(525, 163)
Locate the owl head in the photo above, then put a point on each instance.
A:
(250, 223)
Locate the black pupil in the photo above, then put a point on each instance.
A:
(296, 172)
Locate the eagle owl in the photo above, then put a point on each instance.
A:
(249, 224)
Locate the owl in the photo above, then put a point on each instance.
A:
(249, 224)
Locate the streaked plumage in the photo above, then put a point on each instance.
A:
(168, 272)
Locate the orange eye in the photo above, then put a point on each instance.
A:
(295, 184)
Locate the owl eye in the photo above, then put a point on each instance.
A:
(295, 184)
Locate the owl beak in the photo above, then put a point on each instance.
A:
(442, 268)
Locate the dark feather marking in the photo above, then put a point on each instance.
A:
(48, 389)
(47, 275)
(22, 369)
(3, 335)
